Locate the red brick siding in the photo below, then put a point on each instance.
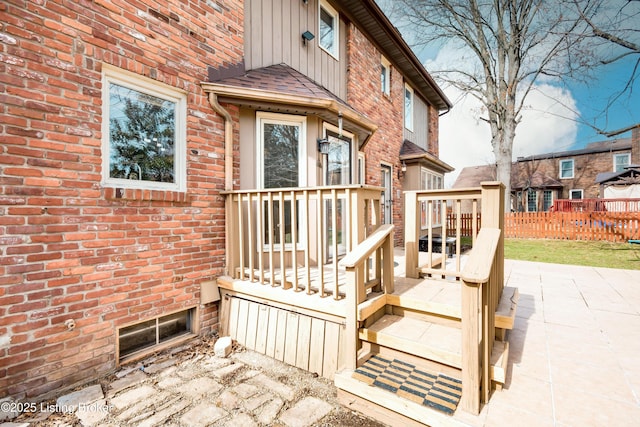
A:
(70, 249)
(364, 93)
(585, 168)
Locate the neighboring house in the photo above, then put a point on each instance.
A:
(536, 181)
(124, 124)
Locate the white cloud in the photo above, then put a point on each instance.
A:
(547, 126)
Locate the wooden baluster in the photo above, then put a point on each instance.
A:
(241, 236)
(321, 239)
(294, 239)
(250, 231)
(261, 233)
(283, 270)
(272, 236)
(307, 254)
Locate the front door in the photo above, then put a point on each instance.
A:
(337, 171)
(387, 193)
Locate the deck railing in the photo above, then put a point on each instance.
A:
(481, 277)
(376, 250)
(294, 237)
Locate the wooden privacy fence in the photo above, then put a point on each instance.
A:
(607, 226)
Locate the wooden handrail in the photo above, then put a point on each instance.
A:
(368, 246)
(481, 283)
(478, 266)
(355, 263)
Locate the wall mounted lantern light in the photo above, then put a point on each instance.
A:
(307, 36)
(323, 146)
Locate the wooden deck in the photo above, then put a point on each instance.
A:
(425, 309)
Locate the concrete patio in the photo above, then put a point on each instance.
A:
(574, 352)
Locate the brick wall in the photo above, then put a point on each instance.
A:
(635, 145)
(586, 169)
(364, 93)
(69, 248)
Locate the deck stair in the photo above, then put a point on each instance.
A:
(419, 322)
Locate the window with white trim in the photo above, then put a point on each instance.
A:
(385, 75)
(328, 29)
(430, 181)
(566, 168)
(575, 194)
(532, 201)
(282, 164)
(408, 107)
(621, 161)
(143, 131)
(547, 200)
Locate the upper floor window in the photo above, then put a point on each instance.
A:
(566, 168)
(408, 107)
(621, 161)
(329, 29)
(144, 132)
(385, 76)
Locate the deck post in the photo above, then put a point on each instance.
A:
(411, 227)
(351, 317)
(493, 217)
(232, 248)
(471, 347)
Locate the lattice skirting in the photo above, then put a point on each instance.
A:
(435, 390)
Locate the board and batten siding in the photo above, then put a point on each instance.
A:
(273, 35)
(420, 134)
(307, 342)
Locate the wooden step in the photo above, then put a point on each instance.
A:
(442, 344)
(506, 311)
(499, 361)
(387, 407)
(439, 297)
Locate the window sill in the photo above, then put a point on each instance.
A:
(111, 193)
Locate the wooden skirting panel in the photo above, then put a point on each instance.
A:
(304, 341)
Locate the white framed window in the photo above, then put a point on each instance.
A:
(282, 163)
(144, 134)
(576, 194)
(621, 161)
(430, 181)
(329, 24)
(566, 169)
(532, 201)
(282, 150)
(547, 200)
(385, 75)
(361, 168)
(408, 107)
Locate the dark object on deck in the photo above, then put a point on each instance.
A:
(436, 245)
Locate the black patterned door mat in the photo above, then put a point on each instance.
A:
(437, 391)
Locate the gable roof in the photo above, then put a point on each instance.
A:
(536, 180)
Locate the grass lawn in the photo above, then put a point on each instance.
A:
(595, 254)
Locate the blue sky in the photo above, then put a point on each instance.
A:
(592, 100)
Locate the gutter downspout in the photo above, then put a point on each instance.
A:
(228, 140)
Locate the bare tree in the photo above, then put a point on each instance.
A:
(505, 47)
